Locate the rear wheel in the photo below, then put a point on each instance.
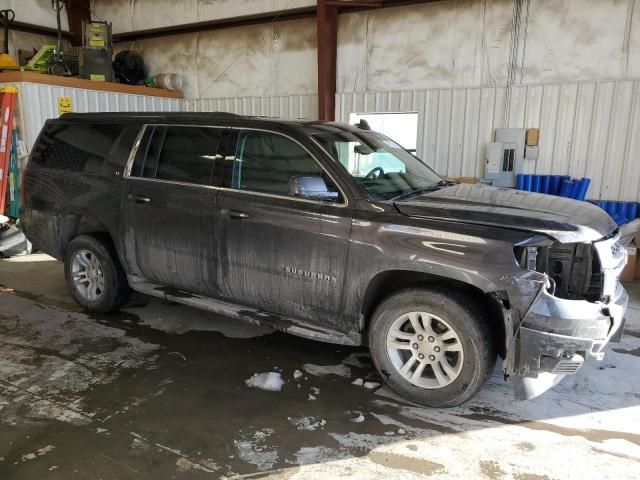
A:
(94, 275)
(432, 346)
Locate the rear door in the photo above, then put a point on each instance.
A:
(280, 253)
(169, 207)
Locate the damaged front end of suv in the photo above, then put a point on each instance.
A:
(569, 305)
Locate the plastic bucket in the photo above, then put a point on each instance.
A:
(167, 81)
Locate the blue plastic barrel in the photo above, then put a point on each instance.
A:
(520, 181)
(555, 184)
(583, 187)
(536, 183)
(624, 210)
(616, 207)
(546, 183)
(528, 180)
(575, 189)
(633, 211)
(566, 188)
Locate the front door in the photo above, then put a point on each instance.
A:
(282, 253)
(169, 208)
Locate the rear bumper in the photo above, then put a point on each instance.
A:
(558, 335)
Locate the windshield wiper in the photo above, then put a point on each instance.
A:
(418, 191)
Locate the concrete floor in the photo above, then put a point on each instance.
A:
(158, 391)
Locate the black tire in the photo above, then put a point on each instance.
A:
(116, 289)
(465, 317)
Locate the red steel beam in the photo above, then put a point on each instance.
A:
(37, 29)
(77, 12)
(240, 21)
(327, 35)
(259, 18)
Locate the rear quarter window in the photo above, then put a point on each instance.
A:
(76, 148)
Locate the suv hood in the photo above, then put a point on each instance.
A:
(563, 219)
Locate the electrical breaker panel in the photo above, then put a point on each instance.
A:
(505, 157)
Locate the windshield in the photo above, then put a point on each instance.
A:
(379, 165)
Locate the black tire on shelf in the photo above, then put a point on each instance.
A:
(464, 315)
(116, 289)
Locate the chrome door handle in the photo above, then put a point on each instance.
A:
(139, 198)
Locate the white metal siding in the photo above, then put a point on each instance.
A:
(286, 106)
(587, 129)
(38, 103)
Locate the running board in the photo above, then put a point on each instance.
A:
(246, 314)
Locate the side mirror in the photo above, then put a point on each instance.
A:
(311, 187)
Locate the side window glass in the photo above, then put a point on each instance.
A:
(270, 163)
(78, 148)
(142, 163)
(188, 154)
(180, 154)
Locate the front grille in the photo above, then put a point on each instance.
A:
(578, 271)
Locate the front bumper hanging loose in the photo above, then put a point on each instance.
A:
(557, 336)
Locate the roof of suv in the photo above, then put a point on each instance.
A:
(311, 126)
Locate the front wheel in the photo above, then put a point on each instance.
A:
(432, 346)
(94, 275)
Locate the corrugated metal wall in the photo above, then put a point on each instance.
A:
(37, 103)
(587, 129)
(286, 106)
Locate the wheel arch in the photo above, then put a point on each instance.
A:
(71, 226)
(390, 282)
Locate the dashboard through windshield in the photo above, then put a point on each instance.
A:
(380, 166)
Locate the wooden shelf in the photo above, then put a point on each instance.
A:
(75, 82)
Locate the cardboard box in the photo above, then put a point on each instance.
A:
(461, 179)
(467, 180)
(629, 272)
(533, 137)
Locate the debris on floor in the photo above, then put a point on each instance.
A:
(269, 381)
(120, 395)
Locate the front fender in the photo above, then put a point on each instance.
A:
(478, 256)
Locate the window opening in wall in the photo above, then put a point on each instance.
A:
(402, 127)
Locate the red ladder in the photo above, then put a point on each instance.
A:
(7, 105)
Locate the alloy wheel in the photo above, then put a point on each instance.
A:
(87, 275)
(425, 350)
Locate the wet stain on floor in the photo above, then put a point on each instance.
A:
(402, 462)
(491, 469)
(635, 352)
(116, 397)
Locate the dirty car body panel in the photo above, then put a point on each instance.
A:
(546, 267)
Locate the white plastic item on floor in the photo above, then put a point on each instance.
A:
(269, 381)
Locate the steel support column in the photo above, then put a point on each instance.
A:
(77, 11)
(327, 35)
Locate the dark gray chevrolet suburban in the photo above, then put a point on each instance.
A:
(332, 232)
